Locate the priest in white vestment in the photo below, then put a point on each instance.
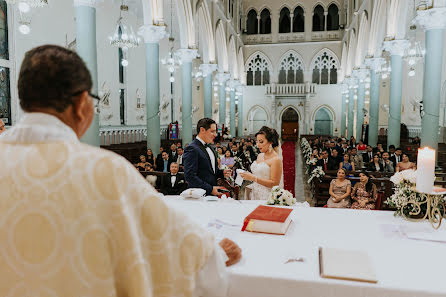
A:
(79, 221)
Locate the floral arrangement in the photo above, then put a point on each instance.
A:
(405, 182)
(310, 161)
(317, 172)
(281, 197)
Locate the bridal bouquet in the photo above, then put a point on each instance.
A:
(281, 197)
(317, 172)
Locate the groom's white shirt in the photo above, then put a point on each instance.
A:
(210, 153)
(36, 128)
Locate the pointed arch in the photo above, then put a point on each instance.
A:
(325, 65)
(344, 58)
(258, 69)
(252, 25)
(293, 108)
(377, 28)
(232, 56)
(396, 19)
(265, 21)
(333, 17)
(257, 117)
(186, 23)
(330, 110)
(291, 68)
(318, 18)
(222, 50)
(299, 19)
(205, 34)
(241, 66)
(351, 53)
(285, 20)
(153, 12)
(363, 39)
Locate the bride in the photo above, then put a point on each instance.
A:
(267, 170)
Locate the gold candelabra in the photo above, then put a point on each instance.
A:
(435, 208)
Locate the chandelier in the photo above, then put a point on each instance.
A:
(124, 36)
(26, 5)
(172, 62)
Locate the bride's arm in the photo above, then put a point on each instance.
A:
(275, 176)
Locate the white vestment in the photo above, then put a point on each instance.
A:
(76, 220)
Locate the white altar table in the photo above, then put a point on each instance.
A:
(405, 267)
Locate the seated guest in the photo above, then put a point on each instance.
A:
(379, 148)
(336, 157)
(173, 184)
(227, 160)
(220, 153)
(163, 165)
(405, 164)
(352, 142)
(141, 166)
(234, 151)
(326, 162)
(150, 157)
(386, 163)
(367, 157)
(395, 157)
(375, 165)
(346, 164)
(173, 155)
(356, 159)
(180, 161)
(179, 144)
(158, 159)
(315, 154)
(111, 234)
(361, 147)
(344, 148)
(364, 193)
(340, 189)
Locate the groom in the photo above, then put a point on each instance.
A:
(200, 160)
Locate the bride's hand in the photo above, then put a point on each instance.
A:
(248, 176)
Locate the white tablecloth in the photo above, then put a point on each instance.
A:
(405, 267)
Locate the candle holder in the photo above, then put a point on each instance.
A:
(434, 204)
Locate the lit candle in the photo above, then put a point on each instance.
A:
(425, 170)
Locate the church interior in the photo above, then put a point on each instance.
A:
(351, 92)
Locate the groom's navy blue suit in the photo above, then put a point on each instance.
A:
(198, 171)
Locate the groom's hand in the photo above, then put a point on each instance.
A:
(215, 191)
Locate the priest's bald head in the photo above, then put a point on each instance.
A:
(55, 80)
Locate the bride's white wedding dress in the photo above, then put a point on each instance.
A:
(261, 170)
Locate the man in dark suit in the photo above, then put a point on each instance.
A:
(180, 160)
(158, 159)
(396, 157)
(367, 157)
(326, 162)
(163, 164)
(173, 153)
(200, 160)
(173, 184)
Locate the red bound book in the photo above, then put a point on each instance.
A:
(268, 219)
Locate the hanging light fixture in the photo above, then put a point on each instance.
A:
(26, 5)
(124, 36)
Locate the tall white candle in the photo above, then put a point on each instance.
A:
(425, 170)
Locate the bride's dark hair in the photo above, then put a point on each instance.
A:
(270, 134)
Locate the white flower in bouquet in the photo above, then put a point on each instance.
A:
(281, 197)
(409, 175)
(317, 172)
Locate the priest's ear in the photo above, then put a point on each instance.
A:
(83, 112)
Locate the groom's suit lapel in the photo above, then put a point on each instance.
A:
(203, 148)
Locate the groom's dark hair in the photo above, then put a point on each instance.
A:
(205, 123)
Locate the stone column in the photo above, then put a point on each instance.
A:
(258, 24)
(152, 36)
(396, 48)
(361, 75)
(86, 47)
(307, 114)
(375, 65)
(351, 107)
(186, 56)
(233, 84)
(292, 21)
(326, 19)
(222, 78)
(207, 70)
(433, 22)
(343, 109)
(240, 111)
